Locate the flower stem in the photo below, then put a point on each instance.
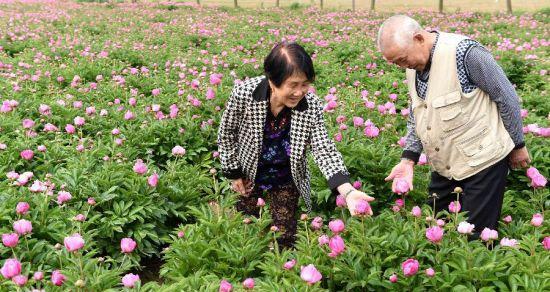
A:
(81, 267)
(307, 231)
(27, 243)
(14, 255)
(434, 209)
(122, 263)
(60, 262)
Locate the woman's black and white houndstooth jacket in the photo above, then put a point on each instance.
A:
(240, 137)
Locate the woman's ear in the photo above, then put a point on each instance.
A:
(271, 85)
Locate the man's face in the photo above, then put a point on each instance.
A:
(413, 56)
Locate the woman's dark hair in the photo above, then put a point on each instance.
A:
(286, 59)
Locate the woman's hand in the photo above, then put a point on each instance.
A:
(353, 197)
(242, 186)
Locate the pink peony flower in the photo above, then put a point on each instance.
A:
(127, 245)
(401, 186)
(12, 175)
(341, 201)
(129, 115)
(465, 228)
(22, 227)
(27, 123)
(409, 267)
(44, 110)
(10, 239)
(178, 151)
(323, 239)
(70, 129)
(546, 243)
(435, 234)
(210, 93)
(336, 245)
(74, 242)
(140, 167)
(372, 132)
(488, 234)
(430, 272)
(63, 196)
(130, 280)
(416, 212)
(537, 220)
(363, 208)
(401, 142)
(80, 218)
(310, 274)
(400, 203)
(336, 226)
(423, 159)
(507, 219)
(195, 84)
(79, 121)
(393, 278)
(317, 223)
(22, 208)
(538, 181)
(225, 286)
(524, 113)
(38, 276)
(248, 283)
(215, 79)
(11, 268)
(38, 187)
(454, 207)
(358, 122)
(290, 264)
(508, 242)
(27, 154)
(20, 280)
(58, 278)
(532, 172)
(153, 180)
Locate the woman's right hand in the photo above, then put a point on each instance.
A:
(242, 186)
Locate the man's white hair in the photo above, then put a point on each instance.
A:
(397, 30)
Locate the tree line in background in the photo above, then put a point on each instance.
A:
(372, 4)
(322, 3)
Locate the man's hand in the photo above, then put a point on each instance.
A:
(519, 158)
(403, 170)
(242, 186)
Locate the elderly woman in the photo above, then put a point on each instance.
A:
(267, 127)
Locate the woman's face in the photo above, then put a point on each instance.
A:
(291, 91)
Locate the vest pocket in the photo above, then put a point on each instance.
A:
(479, 148)
(450, 111)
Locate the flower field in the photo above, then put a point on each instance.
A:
(110, 178)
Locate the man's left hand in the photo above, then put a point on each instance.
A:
(519, 158)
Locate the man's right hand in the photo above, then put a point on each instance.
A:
(403, 170)
(242, 186)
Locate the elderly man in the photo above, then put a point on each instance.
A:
(464, 113)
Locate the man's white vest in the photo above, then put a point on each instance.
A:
(462, 133)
